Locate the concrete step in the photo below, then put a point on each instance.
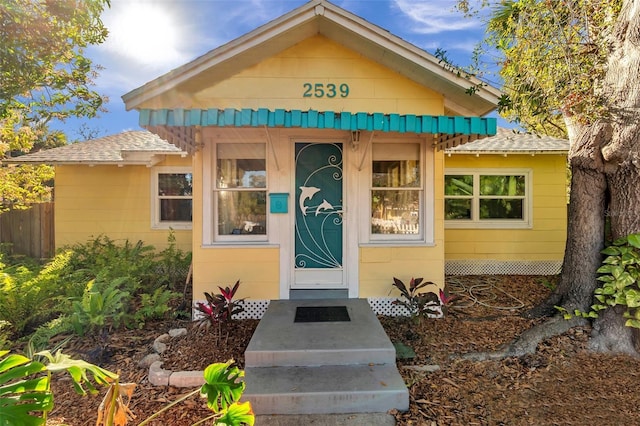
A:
(325, 389)
(279, 341)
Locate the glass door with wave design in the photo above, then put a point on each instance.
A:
(318, 219)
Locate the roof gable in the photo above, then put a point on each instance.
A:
(313, 18)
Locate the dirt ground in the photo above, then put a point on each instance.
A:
(561, 384)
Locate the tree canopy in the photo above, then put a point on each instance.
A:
(44, 76)
(570, 68)
(553, 60)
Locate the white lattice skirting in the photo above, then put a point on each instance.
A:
(502, 267)
(255, 309)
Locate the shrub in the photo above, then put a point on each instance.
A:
(221, 307)
(620, 277)
(417, 303)
(99, 308)
(32, 295)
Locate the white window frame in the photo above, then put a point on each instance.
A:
(475, 222)
(213, 190)
(156, 223)
(425, 235)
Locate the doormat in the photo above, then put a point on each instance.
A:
(321, 314)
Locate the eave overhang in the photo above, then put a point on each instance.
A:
(180, 127)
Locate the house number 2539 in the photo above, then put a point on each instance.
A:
(320, 90)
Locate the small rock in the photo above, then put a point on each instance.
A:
(148, 360)
(178, 332)
(163, 338)
(158, 346)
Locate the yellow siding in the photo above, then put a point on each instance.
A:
(278, 82)
(256, 268)
(379, 265)
(544, 241)
(111, 201)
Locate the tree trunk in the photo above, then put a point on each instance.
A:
(622, 162)
(605, 161)
(585, 227)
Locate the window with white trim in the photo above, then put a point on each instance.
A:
(487, 198)
(396, 192)
(240, 192)
(172, 197)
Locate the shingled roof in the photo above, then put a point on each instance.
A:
(507, 141)
(140, 147)
(137, 147)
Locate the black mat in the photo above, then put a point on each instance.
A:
(321, 314)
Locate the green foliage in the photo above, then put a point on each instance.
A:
(4, 334)
(237, 414)
(223, 385)
(154, 306)
(620, 277)
(32, 295)
(89, 288)
(419, 304)
(173, 264)
(223, 388)
(25, 391)
(100, 308)
(554, 56)
(45, 76)
(105, 259)
(148, 269)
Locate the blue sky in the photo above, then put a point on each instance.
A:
(151, 37)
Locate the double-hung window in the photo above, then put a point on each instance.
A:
(396, 192)
(172, 197)
(487, 198)
(240, 192)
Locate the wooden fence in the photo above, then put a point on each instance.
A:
(30, 232)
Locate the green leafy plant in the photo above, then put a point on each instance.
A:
(173, 265)
(223, 388)
(417, 303)
(154, 306)
(25, 384)
(31, 295)
(98, 308)
(620, 277)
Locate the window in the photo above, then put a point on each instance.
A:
(240, 192)
(487, 198)
(172, 198)
(396, 191)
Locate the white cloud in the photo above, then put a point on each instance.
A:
(433, 17)
(145, 32)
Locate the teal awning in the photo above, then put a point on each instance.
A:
(176, 121)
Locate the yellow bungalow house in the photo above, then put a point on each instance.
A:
(319, 156)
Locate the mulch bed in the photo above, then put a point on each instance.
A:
(561, 384)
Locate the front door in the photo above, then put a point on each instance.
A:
(318, 254)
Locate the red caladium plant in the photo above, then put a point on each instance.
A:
(417, 303)
(446, 300)
(221, 307)
(420, 303)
